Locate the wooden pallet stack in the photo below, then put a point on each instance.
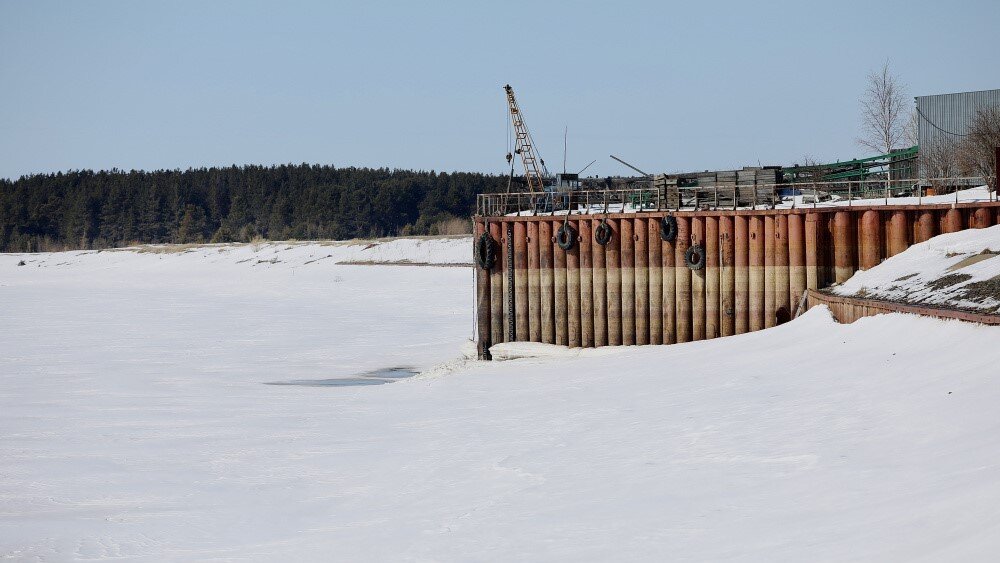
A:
(726, 182)
(668, 187)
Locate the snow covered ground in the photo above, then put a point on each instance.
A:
(960, 270)
(135, 423)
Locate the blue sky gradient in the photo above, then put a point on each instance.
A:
(669, 86)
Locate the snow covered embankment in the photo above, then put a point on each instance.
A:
(424, 251)
(956, 270)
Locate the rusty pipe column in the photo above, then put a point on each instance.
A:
(926, 225)
(842, 246)
(505, 287)
(483, 308)
(586, 285)
(612, 262)
(641, 282)
(982, 218)
(756, 273)
(546, 279)
(521, 281)
(669, 291)
(727, 279)
(573, 289)
(655, 281)
(600, 292)
(628, 281)
(871, 239)
(782, 277)
(534, 285)
(952, 221)
(698, 283)
(796, 258)
(682, 280)
(812, 241)
(712, 278)
(741, 275)
(899, 229)
(496, 287)
(770, 306)
(561, 318)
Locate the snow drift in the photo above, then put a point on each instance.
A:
(958, 270)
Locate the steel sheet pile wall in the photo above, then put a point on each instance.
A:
(637, 289)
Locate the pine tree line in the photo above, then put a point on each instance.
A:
(86, 209)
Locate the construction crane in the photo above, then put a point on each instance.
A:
(525, 146)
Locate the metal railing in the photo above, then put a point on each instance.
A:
(758, 196)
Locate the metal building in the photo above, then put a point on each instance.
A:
(946, 117)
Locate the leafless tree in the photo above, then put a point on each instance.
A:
(977, 151)
(940, 160)
(883, 111)
(911, 128)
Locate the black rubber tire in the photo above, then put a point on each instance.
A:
(694, 258)
(668, 228)
(566, 237)
(486, 251)
(602, 234)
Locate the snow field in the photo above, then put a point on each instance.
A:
(134, 424)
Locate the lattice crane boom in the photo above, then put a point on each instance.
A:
(534, 167)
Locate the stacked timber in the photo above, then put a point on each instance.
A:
(726, 183)
(668, 187)
(746, 179)
(766, 178)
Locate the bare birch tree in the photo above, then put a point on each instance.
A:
(883, 111)
(911, 128)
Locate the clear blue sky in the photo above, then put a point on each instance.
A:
(669, 86)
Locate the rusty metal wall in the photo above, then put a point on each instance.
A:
(637, 289)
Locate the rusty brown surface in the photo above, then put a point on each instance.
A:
(741, 281)
(586, 284)
(599, 291)
(654, 260)
(496, 288)
(669, 298)
(521, 281)
(727, 277)
(628, 280)
(612, 262)
(560, 318)
(534, 285)
(641, 275)
(755, 292)
(573, 290)
(870, 243)
(682, 275)
(638, 289)
(547, 280)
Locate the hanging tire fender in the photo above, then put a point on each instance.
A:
(602, 234)
(694, 258)
(668, 228)
(566, 237)
(486, 251)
